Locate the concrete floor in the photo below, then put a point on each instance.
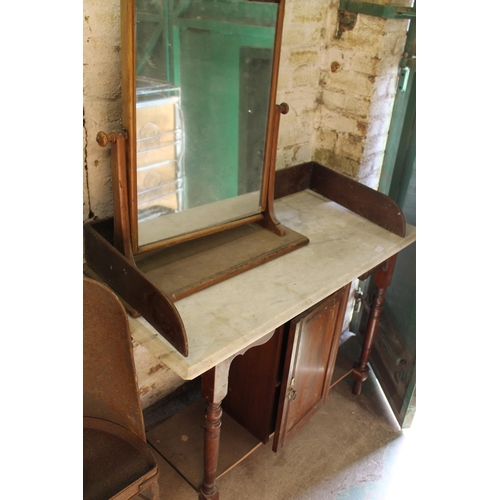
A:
(352, 449)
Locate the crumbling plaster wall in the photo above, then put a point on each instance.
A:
(340, 89)
(340, 92)
(101, 101)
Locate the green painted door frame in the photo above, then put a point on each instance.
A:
(403, 114)
(393, 358)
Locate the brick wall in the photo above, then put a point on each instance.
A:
(340, 89)
(101, 100)
(340, 92)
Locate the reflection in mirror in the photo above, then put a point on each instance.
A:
(203, 84)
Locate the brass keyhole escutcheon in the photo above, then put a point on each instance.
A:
(292, 394)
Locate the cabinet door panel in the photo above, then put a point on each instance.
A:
(310, 357)
(253, 381)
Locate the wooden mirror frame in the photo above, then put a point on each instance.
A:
(126, 218)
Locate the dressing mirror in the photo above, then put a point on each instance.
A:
(194, 168)
(198, 87)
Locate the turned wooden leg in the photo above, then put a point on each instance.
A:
(213, 416)
(214, 387)
(361, 367)
(383, 276)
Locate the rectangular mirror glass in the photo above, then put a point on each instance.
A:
(203, 88)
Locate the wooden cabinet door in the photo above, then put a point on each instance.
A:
(309, 361)
(254, 379)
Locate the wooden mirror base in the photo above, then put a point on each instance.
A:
(189, 267)
(186, 268)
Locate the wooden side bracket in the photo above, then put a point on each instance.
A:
(360, 199)
(122, 275)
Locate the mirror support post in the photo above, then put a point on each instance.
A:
(270, 221)
(122, 238)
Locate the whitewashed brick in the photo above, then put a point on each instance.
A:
(303, 35)
(397, 25)
(350, 81)
(294, 131)
(375, 144)
(102, 114)
(312, 11)
(101, 19)
(99, 50)
(293, 155)
(382, 107)
(298, 57)
(280, 159)
(302, 103)
(285, 70)
(154, 379)
(326, 138)
(333, 99)
(369, 169)
(357, 105)
(365, 63)
(341, 164)
(101, 192)
(350, 145)
(342, 55)
(366, 41)
(384, 86)
(304, 76)
(378, 127)
(393, 43)
(373, 24)
(389, 64)
(338, 122)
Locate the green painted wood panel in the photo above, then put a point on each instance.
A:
(210, 40)
(393, 357)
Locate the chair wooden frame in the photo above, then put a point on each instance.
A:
(117, 462)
